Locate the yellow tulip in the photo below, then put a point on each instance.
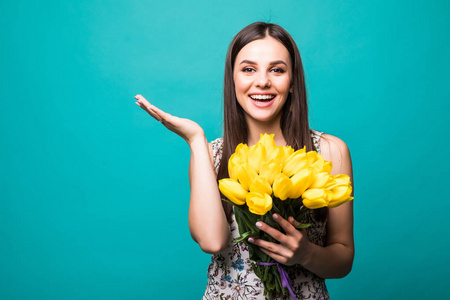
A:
(341, 190)
(269, 169)
(246, 175)
(256, 155)
(340, 195)
(342, 179)
(295, 163)
(327, 166)
(259, 204)
(288, 151)
(232, 189)
(277, 154)
(338, 180)
(267, 141)
(321, 165)
(242, 151)
(320, 180)
(313, 156)
(300, 182)
(282, 186)
(316, 198)
(233, 165)
(261, 185)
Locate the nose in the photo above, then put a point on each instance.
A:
(263, 81)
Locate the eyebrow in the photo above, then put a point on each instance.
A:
(276, 62)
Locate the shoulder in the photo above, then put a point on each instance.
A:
(336, 150)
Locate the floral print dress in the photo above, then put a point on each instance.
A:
(230, 274)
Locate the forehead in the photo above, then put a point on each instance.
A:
(264, 51)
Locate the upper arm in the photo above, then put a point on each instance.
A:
(340, 219)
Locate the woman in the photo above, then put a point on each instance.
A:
(264, 92)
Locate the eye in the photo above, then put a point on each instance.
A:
(278, 70)
(247, 69)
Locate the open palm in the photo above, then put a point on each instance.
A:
(187, 129)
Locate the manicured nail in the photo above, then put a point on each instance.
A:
(258, 224)
(251, 240)
(136, 97)
(275, 216)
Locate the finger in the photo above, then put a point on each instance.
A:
(145, 105)
(155, 112)
(278, 249)
(293, 221)
(287, 226)
(271, 231)
(296, 224)
(162, 114)
(149, 111)
(142, 101)
(278, 258)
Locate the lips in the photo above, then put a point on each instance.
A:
(262, 100)
(264, 97)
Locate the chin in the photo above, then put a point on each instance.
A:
(263, 117)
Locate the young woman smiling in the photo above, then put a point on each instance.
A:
(264, 92)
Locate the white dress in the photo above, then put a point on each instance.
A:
(230, 274)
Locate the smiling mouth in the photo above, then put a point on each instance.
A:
(262, 98)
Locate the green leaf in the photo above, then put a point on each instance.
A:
(245, 236)
(303, 225)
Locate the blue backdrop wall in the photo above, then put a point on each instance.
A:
(94, 193)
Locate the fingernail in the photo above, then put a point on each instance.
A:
(258, 224)
(275, 216)
(251, 240)
(136, 97)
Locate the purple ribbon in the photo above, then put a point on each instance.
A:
(285, 281)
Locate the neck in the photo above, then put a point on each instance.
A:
(256, 128)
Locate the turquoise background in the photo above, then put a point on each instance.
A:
(94, 193)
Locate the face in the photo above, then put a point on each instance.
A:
(262, 78)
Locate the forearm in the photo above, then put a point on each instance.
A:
(332, 261)
(207, 221)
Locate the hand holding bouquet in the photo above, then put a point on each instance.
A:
(266, 179)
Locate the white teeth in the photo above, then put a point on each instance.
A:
(262, 97)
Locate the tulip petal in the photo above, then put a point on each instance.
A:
(267, 141)
(246, 176)
(320, 180)
(295, 163)
(300, 182)
(333, 204)
(256, 155)
(316, 198)
(269, 169)
(261, 185)
(259, 204)
(233, 190)
(282, 186)
(277, 154)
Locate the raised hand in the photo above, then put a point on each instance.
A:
(294, 246)
(187, 129)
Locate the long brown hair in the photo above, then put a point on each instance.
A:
(294, 119)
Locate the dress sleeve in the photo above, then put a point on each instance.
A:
(316, 139)
(217, 146)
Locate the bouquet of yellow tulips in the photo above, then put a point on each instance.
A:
(266, 179)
